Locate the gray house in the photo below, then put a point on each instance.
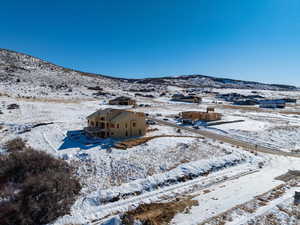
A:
(272, 104)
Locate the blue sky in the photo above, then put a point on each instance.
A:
(244, 39)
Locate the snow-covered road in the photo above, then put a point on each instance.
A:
(236, 192)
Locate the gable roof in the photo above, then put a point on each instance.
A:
(120, 116)
(103, 112)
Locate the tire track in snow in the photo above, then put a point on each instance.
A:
(48, 142)
(156, 196)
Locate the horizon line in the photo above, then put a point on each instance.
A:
(147, 77)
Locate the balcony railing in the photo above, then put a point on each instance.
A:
(94, 129)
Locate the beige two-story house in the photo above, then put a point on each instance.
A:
(116, 123)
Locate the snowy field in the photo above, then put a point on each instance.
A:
(100, 164)
(267, 129)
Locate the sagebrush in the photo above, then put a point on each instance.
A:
(35, 188)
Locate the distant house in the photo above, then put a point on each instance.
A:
(246, 102)
(272, 104)
(192, 116)
(239, 99)
(254, 97)
(230, 97)
(290, 100)
(186, 98)
(122, 101)
(116, 123)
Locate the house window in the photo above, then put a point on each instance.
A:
(118, 126)
(134, 124)
(126, 134)
(112, 134)
(112, 125)
(102, 118)
(92, 123)
(97, 124)
(140, 132)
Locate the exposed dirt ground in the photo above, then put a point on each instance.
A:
(290, 175)
(138, 141)
(159, 213)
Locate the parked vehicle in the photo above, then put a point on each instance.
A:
(150, 122)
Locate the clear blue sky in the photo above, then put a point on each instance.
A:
(244, 39)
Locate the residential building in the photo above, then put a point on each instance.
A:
(246, 102)
(116, 123)
(122, 101)
(186, 98)
(192, 116)
(273, 104)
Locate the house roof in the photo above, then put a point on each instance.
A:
(190, 97)
(180, 96)
(103, 112)
(114, 114)
(120, 116)
(122, 98)
(272, 101)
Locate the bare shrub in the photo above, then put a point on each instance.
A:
(41, 188)
(14, 145)
(13, 106)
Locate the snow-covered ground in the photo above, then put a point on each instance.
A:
(236, 192)
(266, 129)
(151, 171)
(99, 163)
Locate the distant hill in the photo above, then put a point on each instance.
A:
(22, 70)
(198, 80)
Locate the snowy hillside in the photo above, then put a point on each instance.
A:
(23, 74)
(26, 76)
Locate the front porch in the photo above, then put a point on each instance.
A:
(97, 132)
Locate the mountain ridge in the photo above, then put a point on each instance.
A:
(24, 67)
